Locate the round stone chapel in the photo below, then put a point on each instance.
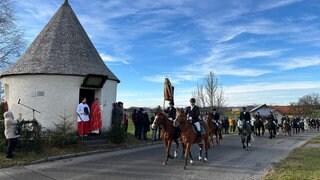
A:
(60, 66)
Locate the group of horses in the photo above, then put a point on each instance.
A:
(188, 135)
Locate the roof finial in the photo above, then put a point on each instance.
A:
(66, 2)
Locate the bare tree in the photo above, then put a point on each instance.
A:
(211, 85)
(296, 109)
(201, 95)
(210, 94)
(11, 41)
(195, 95)
(220, 99)
(309, 103)
(306, 105)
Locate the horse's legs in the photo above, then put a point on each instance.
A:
(176, 150)
(248, 141)
(168, 145)
(243, 141)
(183, 150)
(200, 152)
(187, 149)
(207, 146)
(190, 155)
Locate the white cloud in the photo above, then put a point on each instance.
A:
(298, 62)
(107, 58)
(272, 86)
(272, 4)
(269, 92)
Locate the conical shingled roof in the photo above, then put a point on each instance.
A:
(62, 47)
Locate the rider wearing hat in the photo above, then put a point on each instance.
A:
(216, 118)
(171, 111)
(245, 116)
(193, 114)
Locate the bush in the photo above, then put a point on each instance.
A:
(64, 134)
(3, 145)
(117, 134)
(30, 137)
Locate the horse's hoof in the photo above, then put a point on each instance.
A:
(191, 162)
(185, 167)
(200, 158)
(164, 163)
(205, 160)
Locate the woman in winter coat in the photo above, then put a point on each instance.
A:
(10, 126)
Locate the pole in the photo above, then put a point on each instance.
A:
(164, 104)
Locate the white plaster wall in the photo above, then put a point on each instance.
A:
(108, 95)
(61, 96)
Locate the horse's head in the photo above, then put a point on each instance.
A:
(159, 120)
(181, 118)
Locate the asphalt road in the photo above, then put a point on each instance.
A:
(227, 161)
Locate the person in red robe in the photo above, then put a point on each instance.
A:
(95, 117)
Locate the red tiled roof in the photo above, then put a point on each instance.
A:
(282, 109)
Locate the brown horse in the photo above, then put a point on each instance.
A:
(189, 136)
(213, 131)
(167, 134)
(286, 128)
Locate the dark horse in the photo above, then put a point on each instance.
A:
(189, 136)
(167, 134)
(214, 130)
(259, 127)
(245, 132)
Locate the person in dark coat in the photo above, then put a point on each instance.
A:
(225, 125)
(171, 111)
(134, 118)
(140, 123)
(193, 113)
(146, 125)
(245, 117)
(272, 126)
(216, 120)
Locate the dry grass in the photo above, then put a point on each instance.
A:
(22, 158)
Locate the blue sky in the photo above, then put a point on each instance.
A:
(261, 51)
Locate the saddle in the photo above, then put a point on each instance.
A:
(203, 131)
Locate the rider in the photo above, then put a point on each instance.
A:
(216, 118)
(171, 111)
(272, 126)
(245, 116)
(193, 114)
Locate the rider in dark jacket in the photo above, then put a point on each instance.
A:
(193, 114)
(171, 111)
(272, 126)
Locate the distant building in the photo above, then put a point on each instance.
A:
(60, 66)
(277, 111)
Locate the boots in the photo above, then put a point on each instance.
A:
(199, 136)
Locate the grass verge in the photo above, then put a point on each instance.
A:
(302, 163)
